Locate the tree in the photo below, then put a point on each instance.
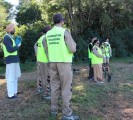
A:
(28, 15)
(4, 8)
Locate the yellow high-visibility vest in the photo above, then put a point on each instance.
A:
(6, 53)
(95, 59)
(57, 49)
(41, 55)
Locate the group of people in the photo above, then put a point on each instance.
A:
(99, 55)
(54, 52)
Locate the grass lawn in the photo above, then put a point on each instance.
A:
(27, 67)
(109, 101)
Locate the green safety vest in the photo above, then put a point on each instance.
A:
(95, 59)
(89, 52)
(6, 53)
(57, 49)
(107, 51)
(41, 55)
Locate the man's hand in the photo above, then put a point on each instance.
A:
(18, 41)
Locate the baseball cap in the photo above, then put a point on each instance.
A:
(58, 18)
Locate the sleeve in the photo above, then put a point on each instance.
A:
(9, 45)
(70, 42)
(35, 48)
(45, 46)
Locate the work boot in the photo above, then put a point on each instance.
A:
(46, 97)
(40, 90)
(109, 78)
(54, 113)
(71, 117)
(91, 78)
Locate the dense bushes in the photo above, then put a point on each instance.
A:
(85, 18)
(121, 42)
(29, 36)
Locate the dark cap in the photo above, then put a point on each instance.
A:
(46, 29)
(58, 18)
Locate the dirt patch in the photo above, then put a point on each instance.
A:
(111, 101)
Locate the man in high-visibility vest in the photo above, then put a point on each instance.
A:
(42, 65)
(10, 49)
(61, 47)
(107, 53)
(91, 73)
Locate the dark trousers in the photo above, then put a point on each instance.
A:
(91, 73)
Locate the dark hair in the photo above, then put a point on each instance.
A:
(105, 39)
(95, 41)
(46, 29)
(57, 18)
(39, 35)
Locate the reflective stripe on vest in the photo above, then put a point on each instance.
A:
(95, 59)
(6, 53)
(41, 55)
(57, 49)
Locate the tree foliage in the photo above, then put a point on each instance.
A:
(84, 18)
(28, 15)
(4, 9)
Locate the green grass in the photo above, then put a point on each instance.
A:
(90, 101)
(26, 67)
(122, 59)
(2, 69)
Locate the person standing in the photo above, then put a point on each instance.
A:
(42, 65)
(97, 61)
(61, 47)
(39, 80)
(10, 49)
(107, 53)
(91, 73)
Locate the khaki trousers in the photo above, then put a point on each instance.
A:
(98, 73)
(61, 83)
(42, 74)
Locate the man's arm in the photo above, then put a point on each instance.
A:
(9, 45)
(45, 46)
(35, 48)
(70, 42)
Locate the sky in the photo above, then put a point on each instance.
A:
(13, 2)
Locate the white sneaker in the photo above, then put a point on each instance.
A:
(46, 97)
(100, 82)
(72, 117)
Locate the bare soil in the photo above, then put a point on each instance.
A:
(116, 100)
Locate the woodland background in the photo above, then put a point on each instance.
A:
(84, 18)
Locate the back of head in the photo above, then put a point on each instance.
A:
(39, 35)
(57, 18)
(10, 27)
(94, 41)
(46, 29)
